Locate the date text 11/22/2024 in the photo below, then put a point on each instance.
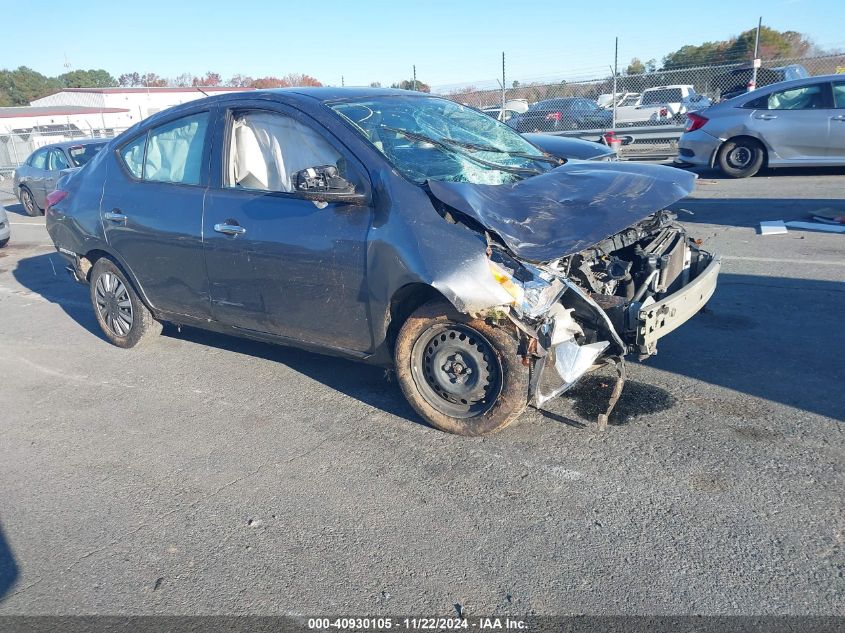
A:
(415, 624)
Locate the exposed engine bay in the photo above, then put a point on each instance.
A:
(586, 310)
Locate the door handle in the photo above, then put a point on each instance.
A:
(766, 117)
(115, 215)
(230, 229)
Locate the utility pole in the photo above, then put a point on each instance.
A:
(756, 62)
(504, 88)
(615, 75)
(342, 81)
(415, 76)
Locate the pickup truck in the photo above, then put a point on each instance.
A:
(660, 105)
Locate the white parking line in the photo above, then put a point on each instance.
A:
(27, 224)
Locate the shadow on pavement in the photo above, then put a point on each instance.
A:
(8, 566)
(716, 174)
(363, 382)
(13, 207)
(46, 275)
(774, 338)
(749, 212)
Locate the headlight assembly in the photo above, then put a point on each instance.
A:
(533, 290)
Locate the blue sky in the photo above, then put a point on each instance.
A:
(451, 42)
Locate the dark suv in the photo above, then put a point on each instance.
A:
(391, 227)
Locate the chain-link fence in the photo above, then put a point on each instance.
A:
(647, 111)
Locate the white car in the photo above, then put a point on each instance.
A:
(659, 105)
(511, 109)
(5, 230)
(606, 100)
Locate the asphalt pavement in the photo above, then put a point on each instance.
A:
(207, 474)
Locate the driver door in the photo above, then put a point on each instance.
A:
(279, 263)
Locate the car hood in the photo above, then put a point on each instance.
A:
(569, 208)
(568, 147)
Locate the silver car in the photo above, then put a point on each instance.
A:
(5, 230)
(38, 175)
(787, 124)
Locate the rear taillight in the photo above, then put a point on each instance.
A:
(554, 116)
(54, 197)
(695, 121)
(664, 112)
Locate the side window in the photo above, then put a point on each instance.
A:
(57, 160)
(803, 98)
(39, 159)
(839, 95)
(133, 156)
(760, 103)
(174, 150)
(267, 149)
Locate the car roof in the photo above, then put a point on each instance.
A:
(780, 85)
(77, 143)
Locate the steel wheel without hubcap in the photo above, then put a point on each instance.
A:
(114, 304)
(459, 373)
(740, 157)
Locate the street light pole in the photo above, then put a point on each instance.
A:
(756, 62)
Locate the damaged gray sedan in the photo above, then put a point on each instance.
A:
(391, 227)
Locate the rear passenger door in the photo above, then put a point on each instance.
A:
(795, 123)
(56, 162)
(836, 147)
(152, 209)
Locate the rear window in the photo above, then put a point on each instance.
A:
(81, 154)
(669, 95)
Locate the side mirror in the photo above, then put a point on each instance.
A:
(324, 184)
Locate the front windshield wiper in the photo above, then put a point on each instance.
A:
(546, 158)
(452, 149)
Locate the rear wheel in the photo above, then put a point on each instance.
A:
(28, 202)
(462, 375)
(741, 158)
(121, 314)
(4, 242)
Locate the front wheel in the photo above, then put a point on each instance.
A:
(741, 158)
(462, 375)
(4, 242)
(121, 314)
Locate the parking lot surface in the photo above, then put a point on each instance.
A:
(206, 474)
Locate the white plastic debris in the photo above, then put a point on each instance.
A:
(815, 226)
(773, 227)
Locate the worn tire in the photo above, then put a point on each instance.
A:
(28, 202)
(741, 158)
(427, 321)
(143, 327)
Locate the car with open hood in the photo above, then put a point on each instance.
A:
(396, 228)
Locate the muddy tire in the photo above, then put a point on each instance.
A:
(28, 202)
(741, 158)
(462, 375)
(121, 315)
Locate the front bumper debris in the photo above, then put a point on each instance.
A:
(660, 318)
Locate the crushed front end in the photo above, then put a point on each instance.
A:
(615, 298)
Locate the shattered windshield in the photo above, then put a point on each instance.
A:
(436, 139)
